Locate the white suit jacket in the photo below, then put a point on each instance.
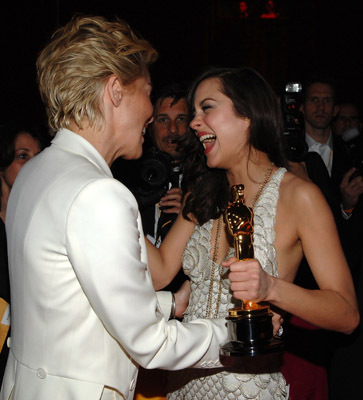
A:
(84, 311)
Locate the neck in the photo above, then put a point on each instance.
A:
(319, 135)
(252, 174)
(98, 139)
(251, 169)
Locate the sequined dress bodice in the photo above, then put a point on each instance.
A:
(218, 384)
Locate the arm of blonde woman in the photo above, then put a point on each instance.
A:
(310, 225)
(165, 262)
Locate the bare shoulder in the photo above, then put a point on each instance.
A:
(299, 193)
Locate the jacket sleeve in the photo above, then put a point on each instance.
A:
(164, 300)
(106, 247)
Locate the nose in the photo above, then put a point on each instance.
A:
(172, 126)
(195, 122)
(321, 105)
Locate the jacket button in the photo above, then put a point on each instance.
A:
(41, 373)
(8, 342)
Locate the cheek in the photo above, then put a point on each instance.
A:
(182, 129)
(148, 107)
(159, 133)
(11, 172)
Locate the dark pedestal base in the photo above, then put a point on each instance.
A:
(251, 343)
(252, 360)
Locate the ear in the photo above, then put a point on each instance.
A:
(114, 90)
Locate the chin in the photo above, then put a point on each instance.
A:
(137, 155)
(134, 155)
(212, 164)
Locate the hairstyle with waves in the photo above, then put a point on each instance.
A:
(252, 97)
(75, 65)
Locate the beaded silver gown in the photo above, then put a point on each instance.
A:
(220, 384)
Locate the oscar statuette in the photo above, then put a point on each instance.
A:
(251, 345)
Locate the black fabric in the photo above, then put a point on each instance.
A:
(128, 172)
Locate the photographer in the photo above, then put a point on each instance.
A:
(302, 162)
(155, 178)
(344, 380)
(171, 119)
(347, 125)
(307, 349)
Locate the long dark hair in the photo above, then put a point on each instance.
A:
(252, 97)
(9, 131)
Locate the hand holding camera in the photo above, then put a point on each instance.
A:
(351, 188)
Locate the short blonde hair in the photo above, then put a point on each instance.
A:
(75, 65)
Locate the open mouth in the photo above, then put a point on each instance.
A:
(207, 138)
(171, 139)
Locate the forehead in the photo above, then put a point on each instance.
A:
(165, 106)
(208, 88)
(139, 83)
(320, 89)
(24, 140)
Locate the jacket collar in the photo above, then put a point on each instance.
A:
(74, 143)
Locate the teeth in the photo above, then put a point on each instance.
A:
(207, 138)
(143, 131)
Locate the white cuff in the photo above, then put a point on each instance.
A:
(345, 215)
(165, 302)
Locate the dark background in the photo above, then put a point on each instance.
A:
(190, 35)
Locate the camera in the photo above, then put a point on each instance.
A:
(294, 127)
(153, 178)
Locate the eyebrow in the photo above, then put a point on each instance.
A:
(22, 149)
(206, 99)
(167, 115)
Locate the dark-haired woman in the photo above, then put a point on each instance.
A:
(236, 138)
(17, 146)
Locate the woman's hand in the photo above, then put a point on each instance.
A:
(351, 189)
(248, 280)
(277, 321)
(182, 299)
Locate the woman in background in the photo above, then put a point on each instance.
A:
(18, 144)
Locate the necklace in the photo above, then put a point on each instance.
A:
(263, 184)
(212, 275)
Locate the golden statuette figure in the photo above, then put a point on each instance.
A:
(239, 220)
(250, 330)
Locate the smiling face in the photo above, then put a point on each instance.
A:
(223, 133)
(26, 147)
(170, 122)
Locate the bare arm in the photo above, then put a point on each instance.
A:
(332, 307)
(165, 262)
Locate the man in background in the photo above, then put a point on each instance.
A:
(155, 178)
